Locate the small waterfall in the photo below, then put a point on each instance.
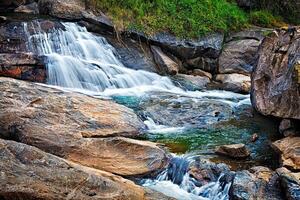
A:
(176, 182)
(80, 60)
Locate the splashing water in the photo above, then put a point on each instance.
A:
(176, 182)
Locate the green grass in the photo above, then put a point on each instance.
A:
(265, 18)
(183, 18)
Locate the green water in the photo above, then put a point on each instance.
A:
(202, 142)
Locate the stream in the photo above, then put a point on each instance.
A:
(189, 123)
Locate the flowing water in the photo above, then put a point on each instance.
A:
(81, 61)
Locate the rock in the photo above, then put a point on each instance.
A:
(254, 137)
(3, 19)
(235, 82)
(64, 9)
(289, 149)
(290, 182)
(199, 72)
(239, 56)
(206, 64)
(133, 54)
(247, 4)
(100, 20)
(209, 46)
(165, 64)
(287, 128)
(32, 8)
(29, 173)
(76, 127)
(248, 186)
(233, 150)
(191, 82)
(22, 66)
(275, 90)
(185, 111)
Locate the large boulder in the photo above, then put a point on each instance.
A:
(258, 183)
(233, 150)
(275, 86)
(240, 52)
(76, 127)
(289, 149)
(191, 82)
(29, 173)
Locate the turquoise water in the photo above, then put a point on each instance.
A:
(203, 141)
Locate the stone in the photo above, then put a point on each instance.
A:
(64, 9)
(199, 72)
(287, 128)
(29, 173)
(24, 66)
(100, 20)
(205, 64)
(165, 64)
(235, 82)
(76, 127)
(239, 56)
(289, 150)
(233, 150)
(185, 111)
(290, 182)
(275, 90)
(247, 4)
(249, 186)
(32, 8)
(191, 82)
(3, 19)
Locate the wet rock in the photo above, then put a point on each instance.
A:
(199, 72)
(206, 64)
(205, 172)
(287, 128)
(239, 56)
(65, 9)
(275, 90)
(29, 173)
(190, 82)
(233, 150)
(289, 150)
(133, 54)
(290, 183)
(76, 127)
(235, 82)
(22, 66)
(185, 111)
(32, 8)
(249, 186)
(165, 64)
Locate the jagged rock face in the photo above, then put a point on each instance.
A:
(76, 127)
(29, 173)
(275, 90)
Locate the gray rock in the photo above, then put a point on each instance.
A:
(239, 56)
(206, 64)
(199, 72)
(275, 80)
(32, 8)
(165, 64)
(235, 82)
(191, 82)
(290, 183)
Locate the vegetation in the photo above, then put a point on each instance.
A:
(184, 18)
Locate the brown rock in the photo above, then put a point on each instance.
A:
(275, 90)
(22, 66)
(287, 128)
(199, 72)
(29, 173)
(76, 127)
(166, 64)
(206, 64)
(233, 150)
(235, 82)
(289, 149)
(29, 8)
(290, 182)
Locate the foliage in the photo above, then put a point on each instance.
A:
(265, 18)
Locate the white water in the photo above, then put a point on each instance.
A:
(80, 61)
(187, 189)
